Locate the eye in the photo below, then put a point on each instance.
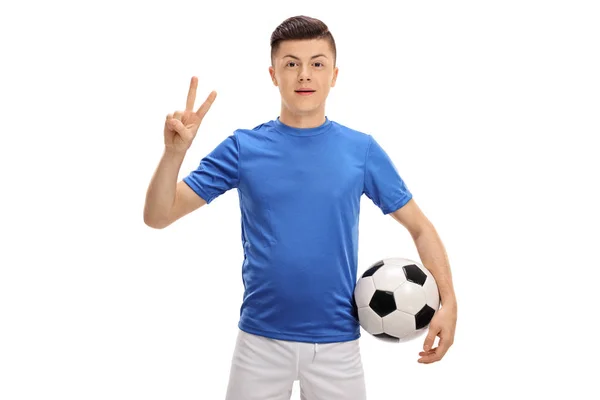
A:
(321, 64)
(291, 62)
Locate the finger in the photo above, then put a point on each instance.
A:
(429, 340)
(191, 98)
(429, 356)
(177, 115)
(438, 353)
(177, 125)
(443, 346)
(429, 359)
(206, 105)
(169, 116)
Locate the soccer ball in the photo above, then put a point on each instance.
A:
(396, 299)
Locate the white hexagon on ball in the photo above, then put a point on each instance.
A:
(370, 321)
(432, 292)
(410, 297)
(398, 324)
(388, 279)
(363, 292)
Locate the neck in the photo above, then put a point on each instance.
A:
(308, 120)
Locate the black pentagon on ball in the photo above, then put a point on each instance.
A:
(373, 268)
(414, 274)
(386, 337)
(424, 316)
(383, 303)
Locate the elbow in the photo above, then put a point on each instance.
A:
(424, 229)
(154, 222)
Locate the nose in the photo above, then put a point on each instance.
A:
(304, 75)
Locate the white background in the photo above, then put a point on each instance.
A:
(488, 109)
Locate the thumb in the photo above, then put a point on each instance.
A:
(428, 344)
(176, 125)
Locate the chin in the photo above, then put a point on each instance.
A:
(307, 108)
(302, 108)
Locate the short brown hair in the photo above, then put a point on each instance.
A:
(298, 28)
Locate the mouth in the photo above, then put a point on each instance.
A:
(304, 92)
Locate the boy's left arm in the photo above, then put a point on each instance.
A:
(434, 258)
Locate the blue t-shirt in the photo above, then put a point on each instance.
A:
(299, 191)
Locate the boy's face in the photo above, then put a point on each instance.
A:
(304, 64)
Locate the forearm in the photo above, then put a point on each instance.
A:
(433, 255)
(162, 189)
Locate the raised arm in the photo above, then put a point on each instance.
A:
(166, 199)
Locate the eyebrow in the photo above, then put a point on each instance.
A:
(296, 58)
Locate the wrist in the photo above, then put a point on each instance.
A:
(449, 304)
(172, 153)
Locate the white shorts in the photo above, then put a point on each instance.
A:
(265, 369)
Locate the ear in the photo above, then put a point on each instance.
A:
(272, 73)
(335, 74)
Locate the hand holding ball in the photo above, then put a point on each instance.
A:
(396, 299)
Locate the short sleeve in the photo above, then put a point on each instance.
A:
(218, 171)
(383, 184)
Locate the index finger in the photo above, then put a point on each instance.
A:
(191, 98)
(443, 347)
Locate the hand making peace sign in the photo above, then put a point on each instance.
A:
(181, 127)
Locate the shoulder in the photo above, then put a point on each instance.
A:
(261, 128)
(350, 131)
(251, 137)
(357, 137)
